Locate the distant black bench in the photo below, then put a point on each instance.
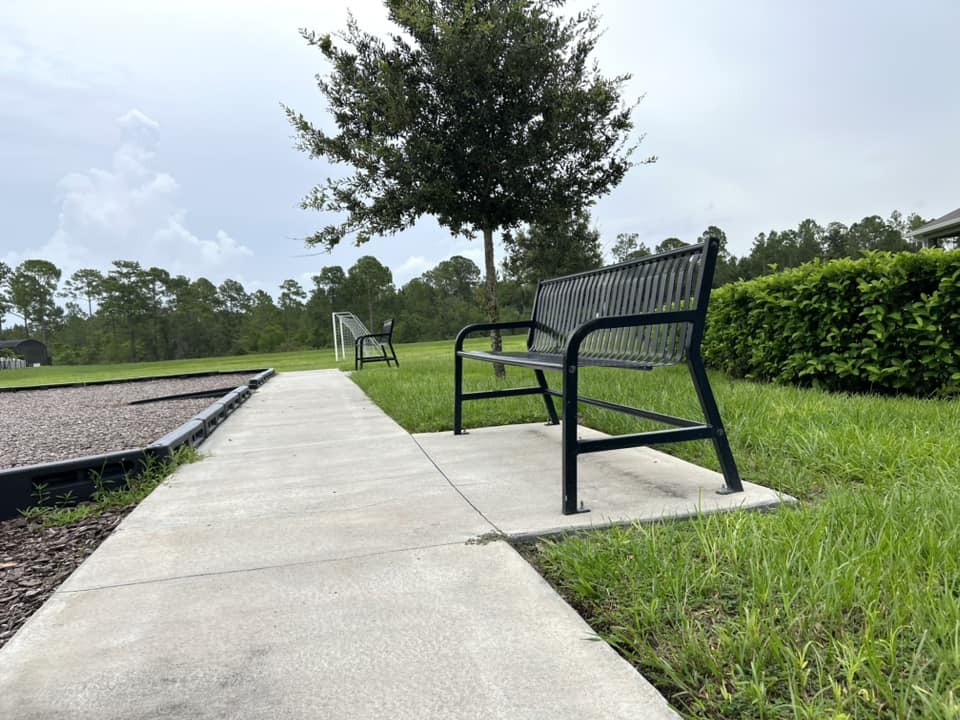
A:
(637, 315)
(377, 344)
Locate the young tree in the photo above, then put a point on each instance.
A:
(454, 283)
(628, 247)
(557, 246)
(330, 280)
(369, 283)
(84, 283)
(455, 277)
(234, 303)
(6, 305)
(490, 115)
(292, 299)
(33, 286)
(264, 326)
(726, 270)
(126, 297)
(670, 243)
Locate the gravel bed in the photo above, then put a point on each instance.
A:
(38, 426)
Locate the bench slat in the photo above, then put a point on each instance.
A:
(547, 361)
(659, 283)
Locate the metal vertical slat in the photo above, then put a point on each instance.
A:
(554, 302)
(686, 284)
(567, 298)
(594, 297)
(604, 299)
(693, 271)
(539, 306)
(631, 351)
(556, 317)
(679, 302)
(652, 306)
(670, 301)
(683, 273)
(618, 343)
(541, 336)
(663, 301)
(644, 307)
(567, 319)
(599, 304)
(587, 303)
(534, 317)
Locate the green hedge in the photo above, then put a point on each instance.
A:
(886, 323)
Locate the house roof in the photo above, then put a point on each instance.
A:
(946, 226)
(15, 343)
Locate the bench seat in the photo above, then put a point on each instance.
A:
(549, 361)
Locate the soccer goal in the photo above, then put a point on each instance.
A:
(346, 329)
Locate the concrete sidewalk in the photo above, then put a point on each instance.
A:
(320, 564)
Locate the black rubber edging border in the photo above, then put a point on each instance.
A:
(69, 482)
(180, 376)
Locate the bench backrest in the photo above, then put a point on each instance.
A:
(675, 280)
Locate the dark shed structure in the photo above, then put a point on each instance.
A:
(33, 352)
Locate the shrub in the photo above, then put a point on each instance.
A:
(885, 323)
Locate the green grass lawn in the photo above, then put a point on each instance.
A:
(847, 606)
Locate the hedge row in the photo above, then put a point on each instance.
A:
(885, 323)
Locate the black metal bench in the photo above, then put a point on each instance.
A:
(637, 315)
(377, 343)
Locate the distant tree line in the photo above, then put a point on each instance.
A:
(131, 313)
(781, 249)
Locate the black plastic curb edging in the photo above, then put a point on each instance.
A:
(69, 482)
(181, 376)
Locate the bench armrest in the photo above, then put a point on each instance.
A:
(478, 327)
(371, 335)
(572, 350)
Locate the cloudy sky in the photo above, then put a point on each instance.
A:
(151, 130)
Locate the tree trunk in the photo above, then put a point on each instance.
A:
(493, 310)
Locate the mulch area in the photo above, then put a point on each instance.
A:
(34, 560)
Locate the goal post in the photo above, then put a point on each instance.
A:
(347, 327)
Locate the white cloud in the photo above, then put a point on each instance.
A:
(416, 265)
(137, 121)
(410, 268)
(213, 252)
(131, 211)
(21, 63)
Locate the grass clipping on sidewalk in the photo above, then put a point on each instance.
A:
(845, 607)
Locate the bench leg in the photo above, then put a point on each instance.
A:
(457, 395)
(731, 476)
(570, 449)
(547, 399)
(394, 353)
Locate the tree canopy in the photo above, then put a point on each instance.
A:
(483, 114)
(557, 246)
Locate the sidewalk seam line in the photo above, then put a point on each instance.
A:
(260, 568)
(453, 485)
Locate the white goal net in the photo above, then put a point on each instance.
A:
(346, 329)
